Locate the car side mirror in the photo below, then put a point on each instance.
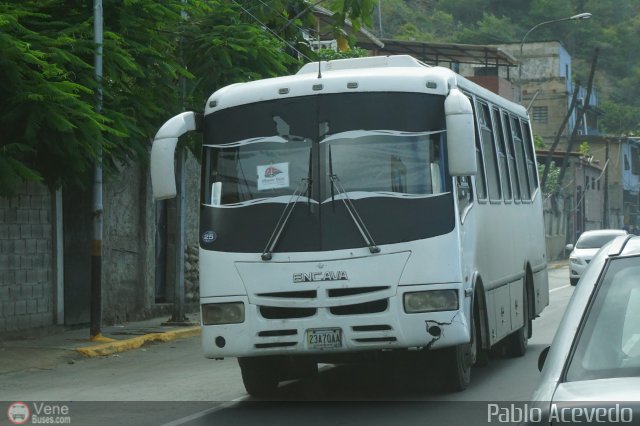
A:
(543, 357)
(568, 247)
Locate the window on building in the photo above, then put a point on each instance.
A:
(540, 114)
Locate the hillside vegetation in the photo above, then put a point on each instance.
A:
(614, 28)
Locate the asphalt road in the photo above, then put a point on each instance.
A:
(172, 384)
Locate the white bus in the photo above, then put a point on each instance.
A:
(363, 207)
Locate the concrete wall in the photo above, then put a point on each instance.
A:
(547, 93)
(497, 85)
(26, 291)
(555, 222)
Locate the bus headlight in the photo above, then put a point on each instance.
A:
(430, 301)
(222, 313)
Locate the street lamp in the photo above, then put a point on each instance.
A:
(579, 16)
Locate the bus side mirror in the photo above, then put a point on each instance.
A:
(163, 175)
(461, 135)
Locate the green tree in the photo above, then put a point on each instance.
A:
(552, 184)
(490, 29)
(51, 130)
(620, 119)
(329, 54)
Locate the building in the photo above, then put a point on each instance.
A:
(488, 66)
(547, 88)
(621, 155)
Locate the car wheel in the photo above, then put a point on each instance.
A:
(574, 281)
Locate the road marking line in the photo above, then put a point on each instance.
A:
(559, 288)
(225, 405)
(203, 413)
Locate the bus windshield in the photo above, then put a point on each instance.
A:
(385, 162)
(306, 167)
(294, 145)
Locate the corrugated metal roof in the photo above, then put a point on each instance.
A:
(440, 53)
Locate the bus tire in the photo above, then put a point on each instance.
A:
(260, 375)
(481, 354)
(457, 362)
(298, 367)
(518, 340)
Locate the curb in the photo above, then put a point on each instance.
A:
(136, 342)
(557, 264)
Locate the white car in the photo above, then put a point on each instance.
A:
(592, 368)
(586, 247)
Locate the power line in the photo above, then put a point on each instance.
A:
(264, 26)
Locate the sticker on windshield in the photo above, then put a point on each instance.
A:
(273, 176)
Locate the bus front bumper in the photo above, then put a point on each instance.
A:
(336, 329)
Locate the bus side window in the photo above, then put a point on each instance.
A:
(503, 155)
(531, 158)
(480, 178)
(513, 165)
(489, 152)
(521, 159)
(465, 194)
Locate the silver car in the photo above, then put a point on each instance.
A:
(586, 247)
(594, 359)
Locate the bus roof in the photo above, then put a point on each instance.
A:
(400, 73)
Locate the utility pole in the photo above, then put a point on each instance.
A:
(380, 19)
(179, 317)
(605, 213)
(96, 243)
(572, 106)
(579, 118)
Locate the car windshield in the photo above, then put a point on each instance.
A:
(591, 241)
(608, 344)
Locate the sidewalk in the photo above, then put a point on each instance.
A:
(557, 264)
(68, 346)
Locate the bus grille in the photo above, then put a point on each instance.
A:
(361, 308)
(281, 305)
(276, 312)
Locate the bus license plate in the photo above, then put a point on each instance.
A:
(324, 338)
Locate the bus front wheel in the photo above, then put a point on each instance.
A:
(458, 361)
(260, 375)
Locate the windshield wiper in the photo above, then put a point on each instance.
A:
(351, 208)
(284, 218)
